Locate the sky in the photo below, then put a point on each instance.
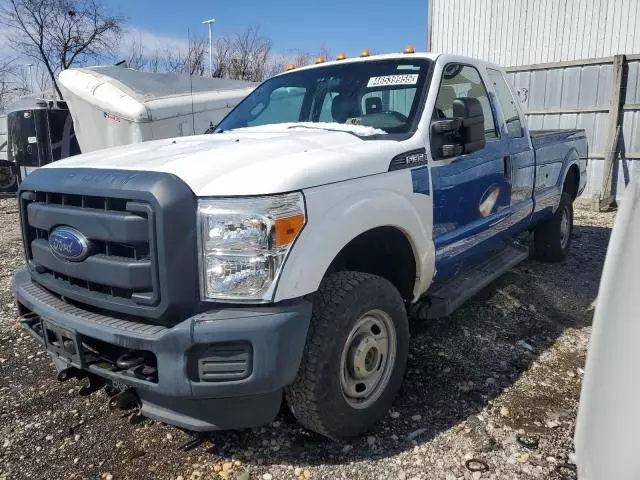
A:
(339, 25)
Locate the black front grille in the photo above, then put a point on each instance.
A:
(142, 229)
(120, 266)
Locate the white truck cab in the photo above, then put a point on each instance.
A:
(285, 252)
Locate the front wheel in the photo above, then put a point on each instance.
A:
(355, 356)
(553, 237)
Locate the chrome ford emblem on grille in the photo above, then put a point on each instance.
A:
(69, 244)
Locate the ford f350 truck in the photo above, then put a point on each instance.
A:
(282, 255)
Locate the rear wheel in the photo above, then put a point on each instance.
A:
(552, 238)
(355, 356)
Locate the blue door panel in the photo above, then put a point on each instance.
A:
(522, 173)
(471, 200)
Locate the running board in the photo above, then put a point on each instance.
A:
(445, 298)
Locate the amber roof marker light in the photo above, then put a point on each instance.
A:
(365, 53)
(320, 60)
(291, 66)
(409, 49)
(341, 56)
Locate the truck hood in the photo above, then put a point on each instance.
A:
(252, 161)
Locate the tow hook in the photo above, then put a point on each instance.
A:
(125, 400)
(94, 383)
(130, 360)
(136, 417)
(69, 373)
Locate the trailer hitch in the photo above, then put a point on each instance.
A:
(125, 400)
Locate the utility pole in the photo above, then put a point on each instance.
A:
(29, 65)
(209, 23)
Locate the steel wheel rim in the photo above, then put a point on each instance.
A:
(565, 227)
(368, 357)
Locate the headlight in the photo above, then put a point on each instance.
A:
(243, 243)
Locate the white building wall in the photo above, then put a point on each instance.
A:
(523, 32)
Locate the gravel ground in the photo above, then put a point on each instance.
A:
(497, 384)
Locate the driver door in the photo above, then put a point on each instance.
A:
(471, 192)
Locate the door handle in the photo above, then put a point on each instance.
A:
(507, 167)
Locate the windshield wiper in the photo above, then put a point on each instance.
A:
(311, 127)
(329, 129)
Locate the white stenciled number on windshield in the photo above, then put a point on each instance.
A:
(410, 79)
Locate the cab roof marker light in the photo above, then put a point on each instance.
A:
(341, 56)
(409, 49)
(320, 60)
(365, 53)
(291, 66)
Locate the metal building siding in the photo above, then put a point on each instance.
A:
(522, 32)
(579, 96)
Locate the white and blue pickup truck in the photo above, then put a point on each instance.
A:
(281, 256)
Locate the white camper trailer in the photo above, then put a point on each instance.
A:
(115, 106)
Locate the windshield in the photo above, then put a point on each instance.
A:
(383, 94)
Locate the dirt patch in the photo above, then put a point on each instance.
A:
(490, 393)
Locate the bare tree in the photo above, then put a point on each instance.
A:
(302, 59)
(42, 80)
(244, 56)
(195, 58)
(6, 84)
(60, 33)
(222, 58)
(251, 54)
(136, 58)
(22, 79)
(14, 81)
(189, 62)
(172, 60)
(155, 62)
(324, 52)
(275, 65)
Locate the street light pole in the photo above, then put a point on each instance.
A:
(209, 22)
(29, 65)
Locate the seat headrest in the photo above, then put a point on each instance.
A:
(342, 108)
(373, 105)
(444, 102)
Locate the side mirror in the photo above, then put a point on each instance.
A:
(470, 111)
(446, 126)
(445, 136)
(462, 134)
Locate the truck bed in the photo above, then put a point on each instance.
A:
(543, 138)
(554, 150)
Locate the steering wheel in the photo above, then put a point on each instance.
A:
(397, 115)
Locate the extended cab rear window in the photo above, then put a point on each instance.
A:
(384, 94)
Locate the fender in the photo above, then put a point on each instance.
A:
(338, 213)
(570, 159)
(573, 158)
(547, 197)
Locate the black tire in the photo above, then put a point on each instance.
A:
(551, 240)
(8, 180)
(316, 396)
